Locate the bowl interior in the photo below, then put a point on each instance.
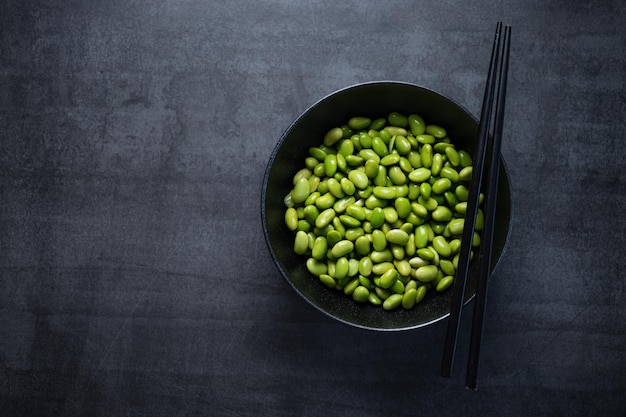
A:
(375, 99)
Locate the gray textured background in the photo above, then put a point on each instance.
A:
(134, 277)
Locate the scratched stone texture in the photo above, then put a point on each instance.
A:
(134, 275)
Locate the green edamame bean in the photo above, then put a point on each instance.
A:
(444, 283)
(391, 131)
(316, 267)
(354, 233)
(378, 123)
(334, 187)
(430, 204)
(346, 148)
(379, 146)
(480, 220)
(425, 138)
(402, 145)
(426, 253)
(391, 215)
(382, 262)
(342, 265)
(342, 248)
(377, 218)
(408, 299)
(416, 124)
(421, 236)
(347, 186)
(317, 153)
(385, 193)
(301, 243)
(453, 156)
(441, 246)
(437, 131)
(456, 226)
(397, 236)
(461, 192)
(330, 165)
(391, 159)
(304, 225)
(441, 185)
(362, 245)
(449, 173)
(358, 178)
(441, 214)
(374, 299)
(327, 280)
(349, 221)
(381, 177)
(301, 190)
(437, 164)
(426, 155)
(403, 207)
(421, 293)
(353, 160)
(379, 240)
(310, 213)
(396, 175)
(371, 168)
(392, 302)
(351, 286)
(419, 209)
(403, 267)
(325, 217)
(464, 158)
(360, 294)
(426, 273)
(320, 247)
(465, 174)
(333, 136)
(291, 218)
(389, 278)
(420, 174)
(447, 266)
(365, 266)
(342, 204)
(359, 123)
(397, 119)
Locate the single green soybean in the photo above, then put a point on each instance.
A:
(437, 131)
(360, 294)
(291, 218)
(420, 174)
(426, 273)
(416, 124)
(397, 119)
(445, 283)
(301, 190)
(426, 155)
(397, 236)
(358, 178)
(333, 136)
(342, 248)
(392, 302)
(359, 123)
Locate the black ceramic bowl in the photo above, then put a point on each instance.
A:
(373, 100)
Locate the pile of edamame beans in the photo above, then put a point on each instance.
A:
(378, 209)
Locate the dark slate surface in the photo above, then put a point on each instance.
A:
(134, 276)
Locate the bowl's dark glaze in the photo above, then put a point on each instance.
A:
(374, 99)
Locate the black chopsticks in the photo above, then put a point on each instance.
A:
(499, 63)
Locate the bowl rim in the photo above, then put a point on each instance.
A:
(265, 182)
